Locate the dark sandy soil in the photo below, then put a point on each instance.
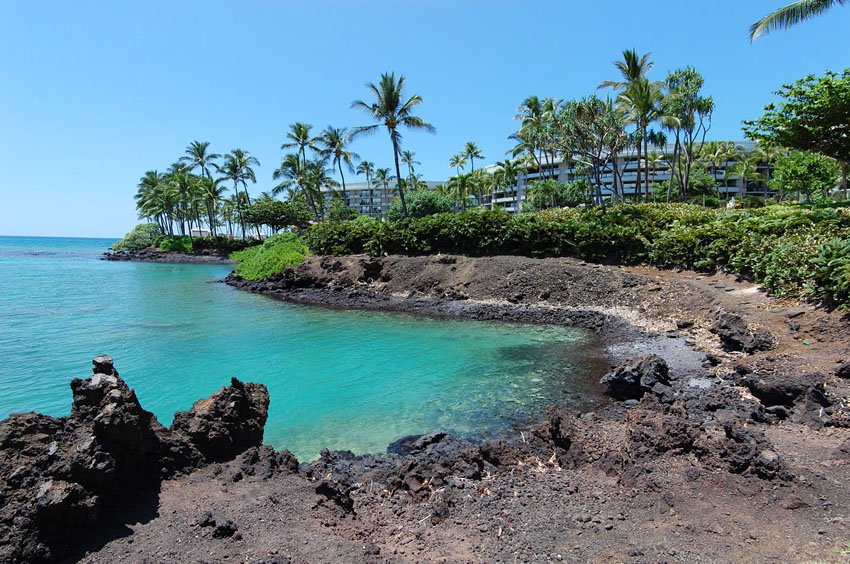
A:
(739, 452)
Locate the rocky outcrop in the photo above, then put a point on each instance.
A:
(226, 423)
(634, 377)
(736, 335)
(61, 475)
(154, 254)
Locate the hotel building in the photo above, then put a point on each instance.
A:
(512, 197)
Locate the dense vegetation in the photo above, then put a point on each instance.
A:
(150, 235)
(792, 250)
(274, 255)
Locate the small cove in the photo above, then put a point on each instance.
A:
(337, 379)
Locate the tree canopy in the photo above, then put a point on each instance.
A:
(814, 115)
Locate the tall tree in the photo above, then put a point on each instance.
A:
(814, 115)
(689, 114)
(639, 96)
(458, 162)
(212, 193)
(298, 137)
(790, 15)
(409, 159)
(292, 174)
(641, 102)
(747, 170)
(507, 172)
(238, 168)
(536, 136)
(472, 152)
(367, 168)
(391, 110)
(334, 142)
(196, 156)
(384, 176)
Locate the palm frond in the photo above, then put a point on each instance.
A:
(791, 15)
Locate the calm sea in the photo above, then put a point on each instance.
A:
(337, 379)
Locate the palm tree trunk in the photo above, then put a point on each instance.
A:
(645, 157)
(341, 175)
(398, 176)
(637, 179)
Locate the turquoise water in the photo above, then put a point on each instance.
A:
(337, 379)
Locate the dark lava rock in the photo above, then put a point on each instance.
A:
(843, 371)
(738, 449)
(264, 462)
(228, 422)
(221, 530)
(415, 443)
(780, 389)
(558, 428)
(339, 494)
(499, 453)
(736, 336)
(60, 476)
(633, 378)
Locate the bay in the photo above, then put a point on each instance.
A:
(337, 379)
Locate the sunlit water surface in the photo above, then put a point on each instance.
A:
(337, 379)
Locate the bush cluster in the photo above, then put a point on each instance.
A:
(274, 255)
(792, 250)
(149, 235)
(141, 236)
(420, 203)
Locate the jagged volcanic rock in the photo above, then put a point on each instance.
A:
(60, 475)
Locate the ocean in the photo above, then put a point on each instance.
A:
(337, 379)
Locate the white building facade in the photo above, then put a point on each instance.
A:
(729, 184)
(369, 199)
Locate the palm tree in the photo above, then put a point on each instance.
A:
(641, 102)
(384, 176)
(367, 168)
(293, 173)
(639, 97)
(211, 192)
(392, 111)
(506, 175)
(790, 15)
(334, 142)
(633, 68)
(458, 162)
(197, 157)
(407, 159)
(714, 154)
(747, 170)
(536, 132)
(299, 137)
(460, 187)
(472, 152)
(155, 200)
(238, 167)
(767, 154)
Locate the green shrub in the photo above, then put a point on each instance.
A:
(338, 211)
(792, 249)
(176, 244)
(141, 236)
(273, 256)
(420, 203)
(222, 244)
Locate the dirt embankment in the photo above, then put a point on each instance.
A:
(727, 440)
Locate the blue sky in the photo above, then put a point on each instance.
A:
(94, 93)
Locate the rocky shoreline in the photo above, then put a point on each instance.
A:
(728, 439)
(152, 254)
